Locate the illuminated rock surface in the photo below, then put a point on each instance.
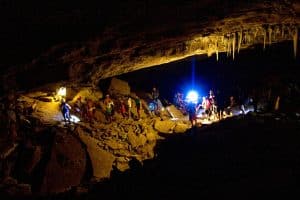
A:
(172, 32)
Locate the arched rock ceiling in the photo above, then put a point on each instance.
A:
(172, 32)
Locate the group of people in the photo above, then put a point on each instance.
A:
(124, 107)
(208, 106)
(85, 110)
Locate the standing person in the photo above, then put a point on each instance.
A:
(122, 108)
(90, 109)
(155, 93)
(109, 106)
(65, 109)
(192, 110)
(138, 106)
(129, 104)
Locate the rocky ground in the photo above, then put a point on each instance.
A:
(242, 157)
(49, 156)
(43, 156)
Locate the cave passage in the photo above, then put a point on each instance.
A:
(251, 70)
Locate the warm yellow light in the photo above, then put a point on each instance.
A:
(62, 91)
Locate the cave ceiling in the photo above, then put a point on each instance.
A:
(125, 36)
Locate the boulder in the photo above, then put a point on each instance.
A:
(181, 127)
(118, 87)
(166, 126)
(114, 145)
(136, 140)
(66, 166)
(102, 160)
(122, 163)
(174, 112)
(34, 159)
(99, 116)
(88, 92)
(151, 134)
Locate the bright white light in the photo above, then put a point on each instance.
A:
(74, 119)
(192, 97)
(62, 91)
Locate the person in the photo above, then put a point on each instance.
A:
(213, 106)
(138, 106)
(90, 109)
(152, 108)
(155, 93)
(211, 96)
(207, 106)
(129, 104)
(122, 108)
(109, 106)
(78, 106)
(65, 109)
(178, 100)
(192, 110)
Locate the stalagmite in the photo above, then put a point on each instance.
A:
(240, 37)
(295, 41)
(233, 45)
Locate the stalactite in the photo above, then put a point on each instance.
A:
(295, 41)
(282, 32)
(233, 45)
(240, 37)
(217, 50)
(227, 47)
(270, 35)
(265, 36)
(276, 32)
(291, 32)
(255, 33)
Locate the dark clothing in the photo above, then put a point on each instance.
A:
(65, 109)
(192, 111)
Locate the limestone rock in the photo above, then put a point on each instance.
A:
(99, 116)
(174, 112)
(166, 126)
(122, 163)
(102, 160)
(136, 140)
(113, 144)
(88, 92)
(34, 160)
(118, 86)
(181, 127)
(151, 134)
(66, 166)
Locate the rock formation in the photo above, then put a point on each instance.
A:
(174, 32)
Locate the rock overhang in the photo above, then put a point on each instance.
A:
(162, 38)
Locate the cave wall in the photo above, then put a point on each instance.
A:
(140, 35)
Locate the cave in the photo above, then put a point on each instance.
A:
(79, 118)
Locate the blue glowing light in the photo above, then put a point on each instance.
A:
(192, 97)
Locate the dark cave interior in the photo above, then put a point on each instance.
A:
(243, 155)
